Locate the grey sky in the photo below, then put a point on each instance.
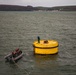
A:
(47, 3)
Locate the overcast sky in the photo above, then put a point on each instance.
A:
(45, 3)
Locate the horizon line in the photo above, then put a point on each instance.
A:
(36, 6)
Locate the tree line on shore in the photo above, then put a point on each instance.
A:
(31, 8)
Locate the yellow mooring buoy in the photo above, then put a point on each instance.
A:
(45, 47)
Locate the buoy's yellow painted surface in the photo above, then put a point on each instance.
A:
(45, 47)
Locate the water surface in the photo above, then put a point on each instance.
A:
(20, 30)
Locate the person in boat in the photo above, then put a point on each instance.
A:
(13, 54)
(18, 51)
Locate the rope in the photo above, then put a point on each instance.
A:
(20, 67)
(26, 71)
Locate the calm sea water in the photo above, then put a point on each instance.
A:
(20, 30)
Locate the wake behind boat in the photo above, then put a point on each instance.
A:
(14, 56)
